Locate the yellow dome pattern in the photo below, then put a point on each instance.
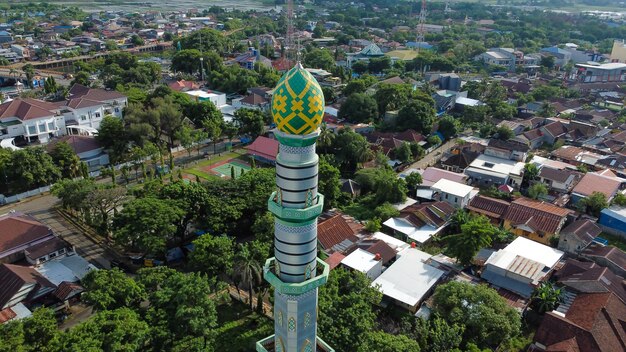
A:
(298, 102)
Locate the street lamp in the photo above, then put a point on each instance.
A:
(202, 68)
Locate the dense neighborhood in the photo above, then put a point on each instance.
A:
(314, 176)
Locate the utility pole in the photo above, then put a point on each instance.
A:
(289, 55)
(420, 30)
(447, 9)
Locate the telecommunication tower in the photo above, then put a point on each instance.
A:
(420, 30)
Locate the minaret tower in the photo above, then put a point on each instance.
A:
(295, 272)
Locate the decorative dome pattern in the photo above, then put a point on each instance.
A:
(298, 102)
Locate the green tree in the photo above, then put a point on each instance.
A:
(319, 58)
(358, 85)
(594, 203)
(444, 337)
(205, 40)
(537, 191)
(383, 342)
(213, 255)
(81, 78)
(505, 133)
(12, 336)
(251, 122)
(190, 197)
(180, 309)
(413, 180)
(112, 289)
(136, 40)
(530, 173)
(29, 168)
(213, 130)
(487, 318)
(328, 183)
(29, 71)
(115, 330)
(476, 233)
(403, 152)
(619, 199)
(434, 140)
(350, 149)
(50, 86)
(359, 67)
(417, 115)
(546, 297)
(359, 107)
(147, 224)
(448, 126)
(113, 137)
(248, 271)
(346, 312)
(383, 184)
(40, 330)
(66, 159)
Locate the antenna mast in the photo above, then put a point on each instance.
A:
(447, 9)
(420, 31)
(289, 40)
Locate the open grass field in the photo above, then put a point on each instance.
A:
(239, 329)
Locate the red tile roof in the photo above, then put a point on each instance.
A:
(13, 277)
(67, 290)
(264, 147)
(583, 229)
(589, 277)
(27, 109)
(18, 229)
(539, 216)
(79, 144)
(595, 182)
(386, 252)
(6, 315)
(334, 260)
(556, 129)
(435, 214)
(182, 84)
(335, 230)
(594, 322)
(491, 207)
(610, 253)
(254, 99)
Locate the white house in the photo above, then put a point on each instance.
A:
(20, 283)
(87, 148)
(409, 280)
(521, 266)
(86, 107)
(365, 262)
(454, 193)
(489, 170)
(218, 99)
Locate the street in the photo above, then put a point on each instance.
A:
(42, 208)
(433, 157)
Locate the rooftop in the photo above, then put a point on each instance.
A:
(498, 165)
(451, 187)
(360, 260)
(18, 229)
(524, 248)
(595, 182)
(408, 279)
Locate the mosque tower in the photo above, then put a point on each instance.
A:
(295, 272)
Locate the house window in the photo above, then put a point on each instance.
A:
(456, 200)
(83, 118)
(42, 127)
(62, 250)
(117, 109)
(97, 114)
(52, 255)
(32, 129)
(51, 126)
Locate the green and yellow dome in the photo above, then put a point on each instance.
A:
(298, 102)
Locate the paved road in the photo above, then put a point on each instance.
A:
(433, 157)
(42, 209)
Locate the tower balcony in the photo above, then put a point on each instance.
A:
(299, 288)
(268, 345)
(295, 214)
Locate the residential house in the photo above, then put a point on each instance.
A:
(45, 251)
(68, 267)
(86, 107)
(579, 277)
(250, 58)
(350, 187)
(17, 312)
(19, 233)
(87, 148)
(613, 220)
(432, 175)
(499, 56)
(553, 131)
(611, 72)
(459, 160)
(22, 284)
(560, 180)
(337, 232)
(493, 208)
(368, 52)
(604, 182)
(420, 222)
(534, 137)
(252, 101)
(591, 322)
(29, 120)
(511, 149)
(409, 280)
(536, 220)
(521, 266)
(5, 37)
(184, 86)
(454, 193)
(488, 170)
(609, 256)
(370, 264)
(576, 236)
(217, 98)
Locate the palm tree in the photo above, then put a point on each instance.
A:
(546, 297)
(325, 139)
(248, 272)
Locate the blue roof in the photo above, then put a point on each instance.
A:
(4, 33)
(555, 50)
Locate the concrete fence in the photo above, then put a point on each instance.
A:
(18, 197)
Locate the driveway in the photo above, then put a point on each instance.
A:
(433, 157)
